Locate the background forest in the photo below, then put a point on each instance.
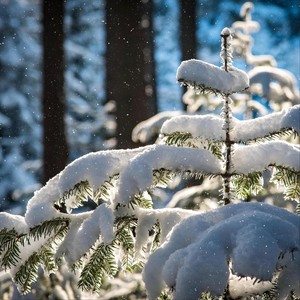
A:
(78, 77)
(94, 58)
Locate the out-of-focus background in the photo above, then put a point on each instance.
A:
(77, 76)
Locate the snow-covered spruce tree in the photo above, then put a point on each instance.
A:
(193, 254)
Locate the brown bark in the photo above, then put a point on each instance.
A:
(130, 74)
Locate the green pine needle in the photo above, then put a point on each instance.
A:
(102, 262)
(245, 185)
(290, 179)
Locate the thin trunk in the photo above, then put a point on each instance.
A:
(226, 56)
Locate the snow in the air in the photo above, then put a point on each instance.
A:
(204, 75)
(257, 238)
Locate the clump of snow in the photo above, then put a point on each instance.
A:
(246, 286)
(106, 223)
(167, 219)
(291, 118)
(265, 76)
(200, 74)
(253, 236)
(205, 126)
(145, 223)
(67, 246)
(99, 224)
(210, 126)
(143, 131)
(41, 206)
(138, 174)
(245, 130)
(16, 222)
(95, 168)
(256, 158)
(246, 26)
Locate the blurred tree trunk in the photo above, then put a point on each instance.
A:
(130, 74)
(54, 138)
(188, 32)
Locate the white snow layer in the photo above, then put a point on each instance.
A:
(252, 235)
(256, 158)
(86, 233)
(210, 126)
(265, 75)
(204, 126)
(96, 168)
(145, 130)
(16, 222)
(167, 219)
(207, 76)
(138, 174)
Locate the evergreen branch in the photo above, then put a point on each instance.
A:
(102, 259)
(180, 139)
(47, 258)
(28, 273)
(141, 201)
(81, 192)
(58, 227)
(162, 177)
(202, 88)
(184, 139)
(290, 179)
(285, 132)
(9, 247)
(104, 191)
(55, 230)
(101, 262)
(245, 185)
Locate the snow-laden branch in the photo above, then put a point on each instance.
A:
(210, 127)
(83, 233)
(10, 221)
(95, 168)
(139, 173)
(167, 218)
(201, 245)
(145, 130)
(256, 158)
(247, 130)
(208, 77)
(265, 75)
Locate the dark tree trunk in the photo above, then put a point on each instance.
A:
(130, 74)
(188, 39)
(54, 138)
